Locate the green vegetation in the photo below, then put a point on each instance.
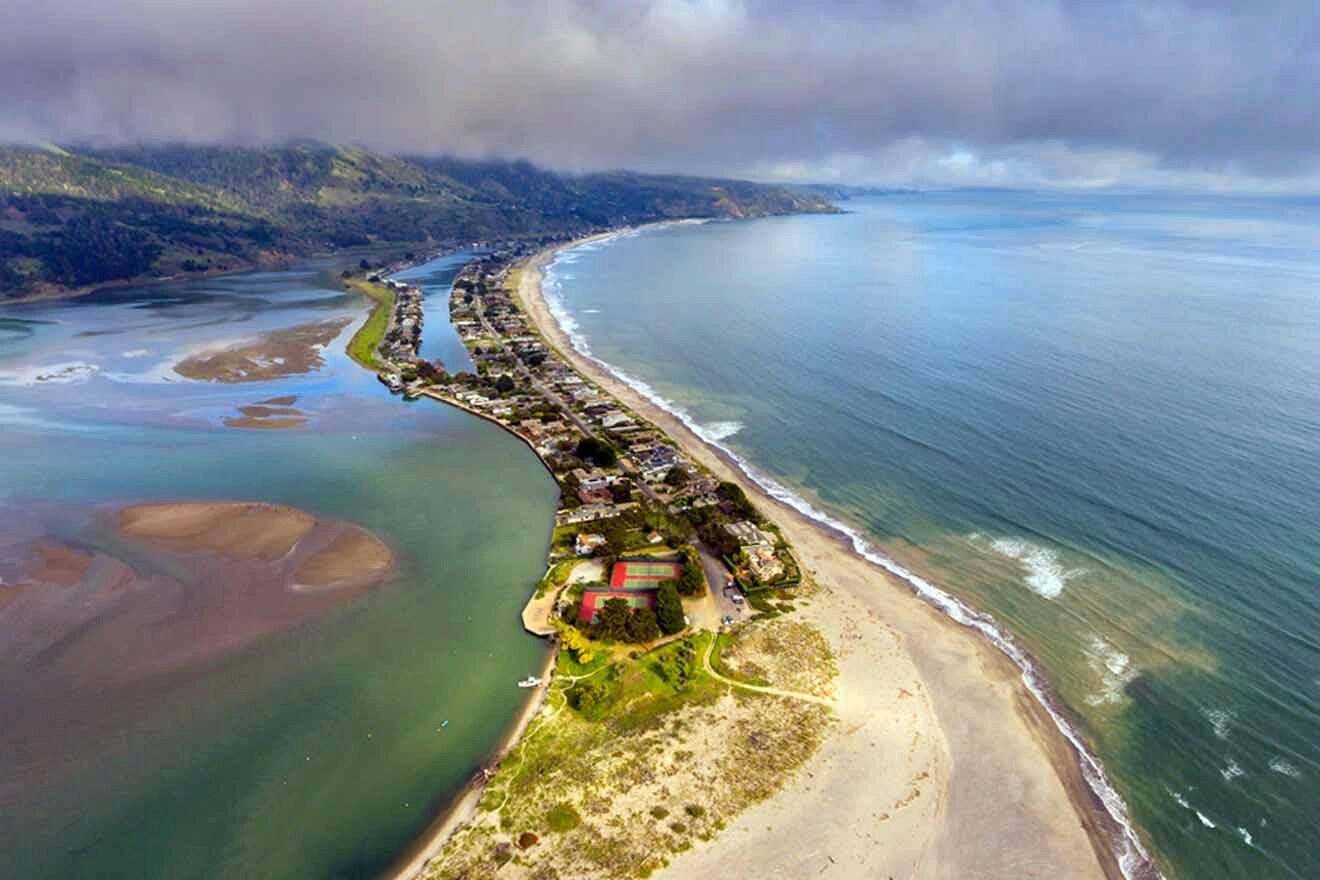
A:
(668, 609)
(362, 347)
(562, 817)
(75, 218)
(692, 578)
(598, 452)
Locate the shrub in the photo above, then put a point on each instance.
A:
(696, 811)
(526, 840)
(659, 812)
(562, 817)
(591, 698)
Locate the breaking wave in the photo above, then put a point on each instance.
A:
(1046, 575)
(1114, 668)
(1133, 860)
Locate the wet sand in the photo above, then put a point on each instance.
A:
(1002, 794)
(280, 353)
(92, 634)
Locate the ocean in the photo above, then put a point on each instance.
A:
(1092, 419)
(324, 751)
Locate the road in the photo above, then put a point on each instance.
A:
(555, 399)
(716, 576)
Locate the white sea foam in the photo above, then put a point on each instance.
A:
(1246, 835)
(1114, 668)
(1281, 765)
(723, 430)
(1220, 721)
(66, 373)
(1133, 860)
(1046, 575)
(586, 311)
(1182, 801)
(135, 353)
(1232, 771)
(1205, 820)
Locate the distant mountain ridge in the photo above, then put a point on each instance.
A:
(72, 218)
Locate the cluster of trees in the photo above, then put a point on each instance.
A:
(598, 452)
(616, 621)
(691, 579)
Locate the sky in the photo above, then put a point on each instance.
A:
(1187, 94)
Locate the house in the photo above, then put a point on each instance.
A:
(764, 563)
(600, 495)
(588, 543)
(588, 513)
(748, 535)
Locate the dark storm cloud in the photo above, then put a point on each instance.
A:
(903, 90)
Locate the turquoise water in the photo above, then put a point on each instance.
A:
(1096, 418)
(320, 752)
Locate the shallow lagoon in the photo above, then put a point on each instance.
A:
(319, 752)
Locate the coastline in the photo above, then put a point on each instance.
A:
(933, 638)
(463, 806)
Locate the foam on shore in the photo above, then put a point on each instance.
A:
(1133, 859)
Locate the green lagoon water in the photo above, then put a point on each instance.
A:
(1095, 418)
(320, 752)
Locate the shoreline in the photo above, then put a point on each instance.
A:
(463, 805)
(1100, 812)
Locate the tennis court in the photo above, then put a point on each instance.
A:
(635, 575)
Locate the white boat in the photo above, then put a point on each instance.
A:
(530, 681)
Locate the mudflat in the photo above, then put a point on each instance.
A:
(287, 352)
(93, 634)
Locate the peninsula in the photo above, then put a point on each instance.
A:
(730, 683)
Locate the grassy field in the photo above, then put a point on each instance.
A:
(362, 347)
(633, 759)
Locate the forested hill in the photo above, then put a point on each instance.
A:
(77, 218)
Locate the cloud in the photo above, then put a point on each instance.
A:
(910, 91)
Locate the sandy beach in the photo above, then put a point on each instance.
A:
(942, 765)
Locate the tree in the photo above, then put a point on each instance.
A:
(677, 477)
(668, 609)
(504, 384)
(643, 626)
(600, 453)
(588, 697)
(612, 620)
(691, 579)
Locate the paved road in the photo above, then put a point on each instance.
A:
(716, 576)
(555, 399)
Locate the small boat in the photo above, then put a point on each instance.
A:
(444, 723)
(530, 681)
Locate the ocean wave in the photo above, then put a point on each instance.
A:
(1246, 835)
(1281, 765)
(1133, 860)
(1205, 820)
(723, 430)
(1232, 771)
(1182, 801)
(1046, 575)
(1114, 668)
(1220, 721)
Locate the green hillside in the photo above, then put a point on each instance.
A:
(73, 219)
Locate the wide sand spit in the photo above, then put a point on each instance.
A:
(943, 764)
